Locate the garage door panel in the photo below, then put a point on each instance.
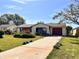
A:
(57, 31)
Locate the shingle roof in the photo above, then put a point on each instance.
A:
(55, 24)
(6, 25)
(49, 24)
(25, 25)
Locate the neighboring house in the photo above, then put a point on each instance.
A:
(4, 27)
(75, 32)
(44, 29)
(8, 27)
(11, 26)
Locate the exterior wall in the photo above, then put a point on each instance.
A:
(38, 26)
(49, 28)
(74, 32)
(26, 30)
(18, 29)
(77, 32)
(23, 29)
(64, 30)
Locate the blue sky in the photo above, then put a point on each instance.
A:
(34, 11)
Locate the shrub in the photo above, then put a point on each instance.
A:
(17, 36)
(23, 43)
(1, 50)
(38, 34)
(1, 33)
(28, 36)
(68, 30)
(8, 32)
(24, 36)
(1, 36)
(57, 46)
(31, 41)
(27, 42)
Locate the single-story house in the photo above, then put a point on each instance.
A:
(44, 29)
(75, 31)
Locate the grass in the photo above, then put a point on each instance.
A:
(68, 50)
(9, 42)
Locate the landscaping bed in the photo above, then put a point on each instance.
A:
(68, 50)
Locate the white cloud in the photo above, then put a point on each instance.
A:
(23, 1)
(13, 7)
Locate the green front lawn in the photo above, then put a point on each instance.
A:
(68, 50)
(9, 41)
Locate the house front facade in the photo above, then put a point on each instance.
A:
(44, 29)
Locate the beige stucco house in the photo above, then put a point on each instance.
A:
(43, 29)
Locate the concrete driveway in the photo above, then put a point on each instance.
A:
(39, 49)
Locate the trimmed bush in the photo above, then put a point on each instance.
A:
(1, 36)
(31, 41)
(28, 36)
(57, 46)
(17, 36)
(27, 42)
(24, 36)
(1, 33)
(23, 43)
(1, 50)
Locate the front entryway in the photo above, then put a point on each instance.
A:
(57, 31)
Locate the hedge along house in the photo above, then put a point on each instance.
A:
(44, 29)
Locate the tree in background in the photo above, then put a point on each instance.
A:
(40, 22)
(5, 18)
(69, 14)
(68, 30)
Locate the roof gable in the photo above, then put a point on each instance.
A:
(40, 23)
